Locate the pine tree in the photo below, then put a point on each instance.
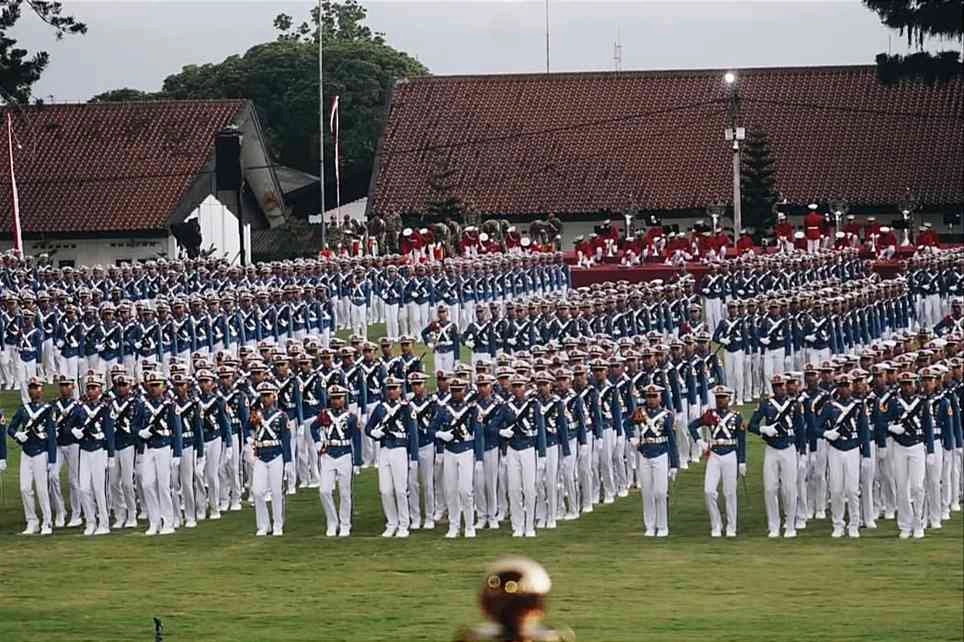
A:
(442, 204)
(757, 181)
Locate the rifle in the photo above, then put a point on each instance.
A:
(841, 422)
(778, 421)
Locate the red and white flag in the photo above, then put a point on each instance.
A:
(17, 235)
(335, 126)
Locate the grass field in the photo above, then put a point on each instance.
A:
(219, 582)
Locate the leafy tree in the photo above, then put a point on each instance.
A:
(920, 20)
(19, 70)
(123, 95)
(281, 78)
(757, 181)
(442, 204)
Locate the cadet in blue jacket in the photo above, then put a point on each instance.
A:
(216, 434)
(269, 452)
(33, 428)
(524, 434)
(392, 426)
(423, 483)
(650, 430)
(456, 425)
(159, 432)
(338, 444)
(576, 426)
(720, 434)
(843, 423)
(557, 448)
(93, 428)
(779, 420)
(125, 413)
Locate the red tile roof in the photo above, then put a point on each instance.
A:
(111, 167)
(582, 142)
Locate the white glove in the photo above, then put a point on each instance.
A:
(931, 459)
(110, 463)
(541, 465)
(701, 445)
(3, 465)
(175, 462)
(831, 435)
(768, 430)
(52, 471)
(896, 429)
(811, 338)
(634, 441)
(199, 465)
(430, 346)
(506, 432)
(445, 435)
(77, 433)
(478, 468)
(378, 433)
(21, 436)
(881, 453)
(318, 447)
(672, 474)
(249, 455)
(356, 470)
(583, 450)
(724, 341)
(144, 433)
(742, 470)
(765, 341)
(228, 454)
(412, 466)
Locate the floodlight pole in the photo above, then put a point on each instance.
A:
(733, 133)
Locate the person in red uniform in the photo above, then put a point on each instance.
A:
(852, 231)
(513, 241)
(813, 228)
(784, 233)
(721, 240)
(871, 229)
(745, 244)
(927, 237)
(886, 243)
(470, 241)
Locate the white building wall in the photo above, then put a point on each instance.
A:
(219, 228)
(103, 252)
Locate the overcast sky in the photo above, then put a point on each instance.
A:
(138, 43)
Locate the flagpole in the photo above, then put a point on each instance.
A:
(17, 234)
(321, 119)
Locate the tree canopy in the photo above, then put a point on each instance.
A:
(19, 68)
(920, 21)
(281, 78)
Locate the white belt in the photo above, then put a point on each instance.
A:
(267, 444)
(724, 442)
(655, 440)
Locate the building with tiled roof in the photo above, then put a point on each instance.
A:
(104, 182)
(590, 145)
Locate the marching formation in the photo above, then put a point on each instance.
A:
(215, 386)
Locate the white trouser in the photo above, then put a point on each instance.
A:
(332, 470)
(47, 359)
(885, 476)
(458, 469)
(757, 386)
(714, 312)
(908, 467)
(773, 363)
(211, 488)
(487, 485)
(231, 473)
(424, 478)
(780, 479)
(844, 472)
(424, 315)
(568, 476)
(502, 489)
(123, 497)
(654, 478)
(949, 481)
(69, 456)
(308, 458)
(409, 323)
(393, 486)
(817, 357)
(813, 245)
(370, 447)
(620, 465)
(584, 464)
(721, 467)
(932, 309)
(546, 496)
(54, 490)
(445, 361)
(156, 480)
(521, 471)
(33, 474)
(266, 477)
(185, 483)
(868, 472)
(9, 357)
(93, 490)
(359, 320)
(25, 370)
(468, 313)
(606, 474)
(391, 321)
(734, 367)
(817, 491)
(933, 472)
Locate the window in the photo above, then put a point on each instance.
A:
(62, 263)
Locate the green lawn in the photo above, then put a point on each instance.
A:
(219, 582)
